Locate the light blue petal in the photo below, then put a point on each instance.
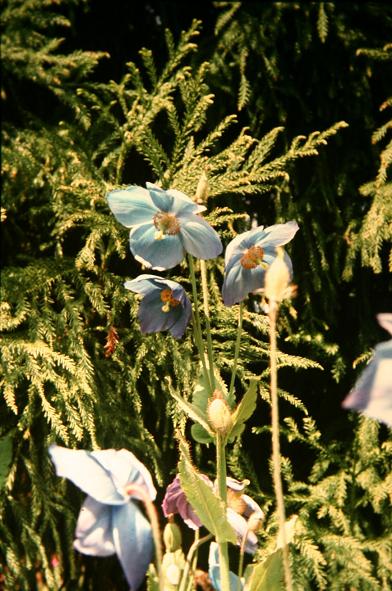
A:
(214, 571)
(152, 318)
(236, 246)
(94, 529)
(240, 282)
(277, 235)
(125, 469)
(161, 199)
(159, 254)
(143, 284)
(240, 526)
(199, 238)
(131, 206)
(87, 473)
(173, 200)
(133, 542)
(178, 328)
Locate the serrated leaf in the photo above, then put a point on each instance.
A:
(267, 575)
(193, 412)
(244, 410)
(201, 393)
(208, 507)
(200, 435)
(5, 458)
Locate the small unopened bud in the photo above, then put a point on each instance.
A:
(172, 537)
(219, 414)
(202, 189)
(277, 279)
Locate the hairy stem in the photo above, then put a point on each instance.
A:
(276, 457)
(222, 489)
(204, 285)
(190, 559)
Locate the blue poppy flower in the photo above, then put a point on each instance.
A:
(249, 255)
(110, 521)
(236, 584)
(165, 305)
(164, 225)
(372, 394)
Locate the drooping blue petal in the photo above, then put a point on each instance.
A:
(240, 526)
(372, 393)
(133, 542)
(143, 284)
(178, 328)
(158, 254)
(239, 282)
(199, 238)
(94, 529)
(86, 472)
(132, 206)
(214, 571)
(152, 318)
(161, 199)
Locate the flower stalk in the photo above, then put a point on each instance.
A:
(220, 443)
(276, 456)
(236, 349)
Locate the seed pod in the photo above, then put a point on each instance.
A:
(172, 537)
(219, 414)
(277, 279)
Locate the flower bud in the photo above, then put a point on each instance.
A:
(202, 189)
(172, 537)
(219, 414)
(277, 279)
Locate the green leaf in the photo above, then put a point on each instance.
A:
(200, 435)
(193, 412)
(208, 507)
(244, 410)
(5, 458)
(268, 575)
(201, 393)
(152, 579)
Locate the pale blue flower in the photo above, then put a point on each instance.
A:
(165, 305)
(249, 255)
(236, 584)
(372, 394)
(164, 225)
(110, 521)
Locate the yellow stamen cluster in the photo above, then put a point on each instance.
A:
(252, 257)
(168, 300)
(166, 224)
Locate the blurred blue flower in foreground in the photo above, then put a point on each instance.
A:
(110, 521)
(164, 225)
(165, 305)
(249, 255)
(214, 571)
(372, 394)
(243, 513)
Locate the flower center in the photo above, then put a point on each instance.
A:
(165, 223)
(252, 257)
(168, 300)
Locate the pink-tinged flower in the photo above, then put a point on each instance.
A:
(110, 521)
(240, 508)
(165, 305)
(249, 255)
(164, 225)
(372, 394)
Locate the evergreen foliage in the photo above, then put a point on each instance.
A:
(75, 368)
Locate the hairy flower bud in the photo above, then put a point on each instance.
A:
(172, 537)
(277, 279)
(202, 189)
(219, 414)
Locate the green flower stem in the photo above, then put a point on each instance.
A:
(204, 285)
(220, 443)
(241, 559)
(154, 522)
(276, 457)
(190, 559)
(236, 350)
(196, 322)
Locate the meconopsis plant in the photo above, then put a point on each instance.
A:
(166, 227)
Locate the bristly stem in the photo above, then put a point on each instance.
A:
(196, 324)
(204, 285)
(236, 350)
(220, 443)
(276, 457)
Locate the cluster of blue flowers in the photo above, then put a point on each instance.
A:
(165, 225)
